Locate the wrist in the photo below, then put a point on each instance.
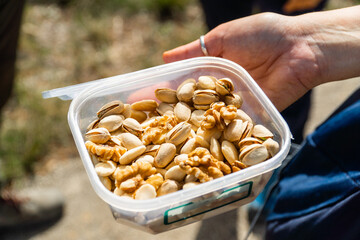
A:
(334, 39)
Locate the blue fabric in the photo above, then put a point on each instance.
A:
(318, 194)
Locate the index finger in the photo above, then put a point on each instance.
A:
(189, 50)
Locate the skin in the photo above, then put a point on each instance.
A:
(287, 56)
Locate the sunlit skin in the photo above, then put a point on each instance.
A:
(287, 56)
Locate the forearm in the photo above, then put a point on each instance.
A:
(334, 36)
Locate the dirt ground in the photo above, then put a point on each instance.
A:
(86, 216)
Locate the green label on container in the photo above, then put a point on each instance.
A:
(193, 209)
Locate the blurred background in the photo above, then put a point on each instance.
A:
(65, 42)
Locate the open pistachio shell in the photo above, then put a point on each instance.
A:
(98, 135)
(261, 132)
(111, 108)
(253, 154)
(224, 86)
(111, 122)
(166, 95)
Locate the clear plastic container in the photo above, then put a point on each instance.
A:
(207, 199)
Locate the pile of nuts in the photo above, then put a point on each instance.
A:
(195, 134)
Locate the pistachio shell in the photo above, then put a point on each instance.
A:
(260, 131)
(139, 116)
(111, 108)
(166, 95)
(248, 141)
(182, 112)
(164, 108)
(215, 149)
(98, 135)
(205, 97)
(179, 133)
(196, 117)
(151, 149)
(111, 122)
(253, 154)
(243, 116)
(189, 146)
(234, 130)
(230, 152)
(175, 173)
(224, 86)
(93, 125)
(131, 154)
(208, 133)
(233, 99)
(272, 146)
(146, 158)
(127, 110)
(167, 187)
(164, 155)
(186, 90)
(206, 82)
(105, 169)
(146, 191)
(190, 185)
(145, 105)
(132, 126)
(130, 141)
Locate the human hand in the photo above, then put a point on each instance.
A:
(269, 46)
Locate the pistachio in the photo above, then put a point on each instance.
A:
(205, 97)
(131, 154)
(145, 158)
(166, 95)
(167, 187)
(164, 155)
(127, 110)
(175, 173)
(185, 91)
(234, 130)
(106, 182)
(261, 132)
(240, 114)
(190, 178)
(139, 116)
(230, 152)
(98, 135)
(146, 191)
(164, 108)
(189, 146)
(196, 117)
(132, 126)
(151, 150)
(182, 112)
(111, 108)
(145, 105)
(248, 141)
(215, 149)
(253, 154)
(206, 82)
(272, 146)
(224, 86)
(190, 185)
(111, 122)
(233, 99)
(179, 133)
(105, 169)
(130, 141)
(93, 125)
(208, 133)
